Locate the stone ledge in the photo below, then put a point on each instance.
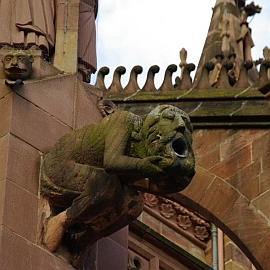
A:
(145, 233)
(205, 114)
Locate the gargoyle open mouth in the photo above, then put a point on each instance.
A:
(16, 70)
(180, 147)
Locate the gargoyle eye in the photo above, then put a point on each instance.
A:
(8, 58)
(169, 115)
(21, 58)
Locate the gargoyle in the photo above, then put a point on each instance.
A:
(89, 177)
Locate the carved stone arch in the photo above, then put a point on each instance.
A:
(225, 206)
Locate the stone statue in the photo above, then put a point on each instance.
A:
(87, 62)
(245, 39)
(28, 22)
(89, 176)
(17, 65)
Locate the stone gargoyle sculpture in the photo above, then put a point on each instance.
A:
(17, 67)
(89, 177)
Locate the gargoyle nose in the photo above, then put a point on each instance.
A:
(14, 63)
(180, 124)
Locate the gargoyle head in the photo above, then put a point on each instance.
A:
(166, 132)
(17, 65)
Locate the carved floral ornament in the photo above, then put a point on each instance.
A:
(173, 212)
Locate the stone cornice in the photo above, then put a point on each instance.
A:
(222, 105)
(206, 108)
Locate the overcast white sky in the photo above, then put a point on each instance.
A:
(152, 32)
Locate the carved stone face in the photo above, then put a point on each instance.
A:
(17, 65)
(166, 132)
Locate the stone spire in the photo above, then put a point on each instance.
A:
(229, 39)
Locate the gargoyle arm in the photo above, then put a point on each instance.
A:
(116, 162)
(116, 143)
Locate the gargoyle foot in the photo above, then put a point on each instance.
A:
(54, 231)
(77, 260)
(78, 238)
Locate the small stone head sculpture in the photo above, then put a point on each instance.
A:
(17, 65)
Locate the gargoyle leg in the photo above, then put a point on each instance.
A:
(106, 205)
(102, 191)
(54, 231)
(130, 208)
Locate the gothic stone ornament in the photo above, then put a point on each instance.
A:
(17, 66)
(89, 175)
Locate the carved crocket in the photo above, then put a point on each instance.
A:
(90, 175)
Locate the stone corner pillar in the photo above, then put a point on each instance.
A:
(67, 18)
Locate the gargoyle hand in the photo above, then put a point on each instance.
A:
(149, 166)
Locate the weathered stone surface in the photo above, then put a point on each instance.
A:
(266, 162)
(29, 255)
(206, 108)
(211, 198)
(250, 226)
(262, 203)
(23, 165)
(260, 253)
(264, 181)
(241, 202)
(4, 145)
(5, 113)
(2, 200)
(249, 187)
(261, 146)
(92, 171)
(210, 159)
(202, 145)
(107, 251)
(20, 206)
(233, 164)
(200, 183)
(55, 96)
(205, 191)
(120, 238)
(4, 90)
(233, 265)
(248, 181)
(86, 105)
(34, 125)
(234, 255)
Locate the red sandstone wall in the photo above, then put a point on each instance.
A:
(232, 186)
(32, 118)
(240, 157)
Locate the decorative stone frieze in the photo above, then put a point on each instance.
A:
(179, 218)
